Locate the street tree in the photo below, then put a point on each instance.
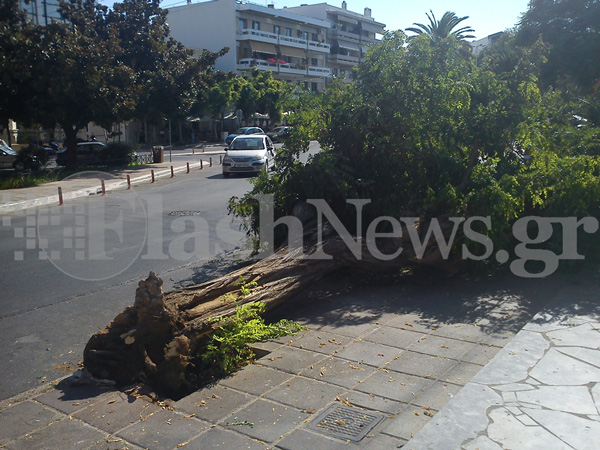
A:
(443, 28)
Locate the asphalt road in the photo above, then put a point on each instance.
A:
(68, 271)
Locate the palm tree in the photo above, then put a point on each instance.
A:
(438, 30)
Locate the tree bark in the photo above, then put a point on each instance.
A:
(155, 339)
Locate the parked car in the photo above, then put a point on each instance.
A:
(9, 158)
(241, 131)
(249, 154)
(88, 153)
(279, 134)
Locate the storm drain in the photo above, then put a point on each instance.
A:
(345, 422)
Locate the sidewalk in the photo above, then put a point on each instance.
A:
(411, 366)
(90, 183)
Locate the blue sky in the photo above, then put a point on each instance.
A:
(486, 17)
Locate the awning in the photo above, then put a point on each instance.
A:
(349, 46)
(263, 47)
(373, 28)
(292, 51)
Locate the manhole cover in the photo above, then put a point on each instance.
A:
(345, 422)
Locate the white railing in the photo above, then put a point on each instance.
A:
(265, 36)
(343, 59)
(248, 63)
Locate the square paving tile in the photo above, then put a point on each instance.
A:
(321, 341)
(72, 398)
(64, 434)
(265, 420)
(111, 442)
(305, 394)
(407, 423)
(339, 371)
(24, 418)
(394, 385)
(414, 322)
(373, 402)
(437, 395)
(216, 438)
(461, 373)
(116, 411)
(291, 360)
(394, 337)
(351, 326)
(441, 346)
(255, 379)
(421, 365)
(213, 403)
(380, 441)
(482, 354)
(303, 440)
(164, 429)
(366, 352)
(461, 331)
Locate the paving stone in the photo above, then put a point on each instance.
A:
(339, 371)
(421, 365)
(116, 411)
(213, 403)
(216, 438)
(394, 385)
(394, 337)
(584, 354)
(414, 322)
(481, 354)
(321, 341)
(72, 398)
(305, 394)
(556, 368)
(164, 429)
(304, 439)
(461, 331)
(596, 395)
(255, 379)
(461, 373)
(482, 443)
(407, 423)
(376, 355)
(111, 442)
(441, 346)
(373, 402)
(437, 395)
(499, 338)
(350, 327)
(573, 399)
(515, 360)
(581, 433)
(63, 434)
(509, 432)
(269, 420)
(581, 336)
(24, 418)
(381, 441)
(291, 360)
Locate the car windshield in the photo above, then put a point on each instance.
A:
(240, 131)
(247, 144)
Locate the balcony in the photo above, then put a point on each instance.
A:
(248, 34)
(287, 68)
(345, 35)
(343, 60)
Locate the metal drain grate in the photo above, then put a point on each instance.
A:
(345, 422)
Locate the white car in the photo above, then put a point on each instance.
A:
(249, 154)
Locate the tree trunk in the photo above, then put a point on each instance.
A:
(71, 137)
(155, 339)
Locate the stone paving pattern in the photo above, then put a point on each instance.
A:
(414, 353)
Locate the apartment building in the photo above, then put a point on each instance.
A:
(290, 45)
(41, 12)
(349, 35)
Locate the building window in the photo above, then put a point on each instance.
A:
(313, 87)
(315, 37)
(243, 24)
(255, 25)
(276, 29)
(305, 35)
(288, 31)
(314, 62)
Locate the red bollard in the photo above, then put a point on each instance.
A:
(172, 174)
(188, 167)
(103, 187)
(210, 162)
(201, 164)
(152, 171)
(220, 159)
(60, 197)
(202, 148)
(193, 150)
(128, 182)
